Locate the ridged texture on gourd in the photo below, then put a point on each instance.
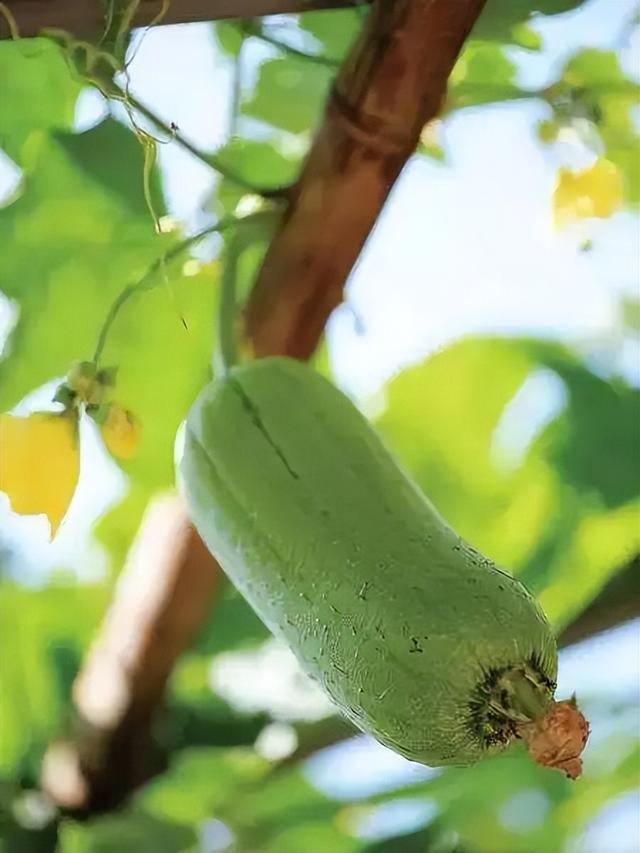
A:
(342, 556)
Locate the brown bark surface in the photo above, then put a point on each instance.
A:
(163, 596)
(85, 18)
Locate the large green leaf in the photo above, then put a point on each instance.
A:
(74, 246)
(233, 625)
(335, 30)
(80, 232)
(27, 70)
(594, 445)
(440, 419)
(201, 782)
(501, 18)
(566, 516)
(483, 74)
(289, 94)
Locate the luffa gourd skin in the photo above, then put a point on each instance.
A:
(417, 638)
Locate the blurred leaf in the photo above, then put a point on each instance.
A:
(525, 36)
(313, 838)
(260, 163)
(233, 625)
(205, 721)
(482, 75)
(129, 832)
(579, 565)
(335, 30)
(201, 782)
(565, 517)
(500, 17)
(229, 37)
(76, 243)
(73, 248)
(472, 802)
(92, 152)
(41, 461)
(28, 69)
(162, 365)
(288, 800)
(49, 630)
(19, 839)
(630, 312)
(440, 420)
(594, 443)
(289, 94)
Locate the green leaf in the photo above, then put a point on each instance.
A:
(289, 800)
(595, 444)
(229, 37)
(260, 163)
(80, 233)
(289, 94)
(162, 344)
(335, 30)
(73, 247)
(440, 419)
(482, 75)
(128, 832)
(92, 152)
(202, 782)
(28, 69)
(313, 838)
(630, 313)
(233, 625)
(48, 630)
(566, 517)
(500, 17)
(525, 36)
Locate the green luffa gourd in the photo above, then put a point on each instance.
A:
(417, 638)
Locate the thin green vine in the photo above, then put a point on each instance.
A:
(262, 33)
(212, 160)
(12, 24)
(97, 65)
(226, 351)
(146, 282)
(236, 90)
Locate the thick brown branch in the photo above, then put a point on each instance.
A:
(85, 18)
(393, 82)
(164, 594)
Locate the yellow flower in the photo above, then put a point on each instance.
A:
(120, 432)
(593, 192)
(40, 463)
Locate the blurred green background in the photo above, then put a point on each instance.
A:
(498, 357)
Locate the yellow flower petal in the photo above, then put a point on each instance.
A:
(120, 432)
(593, 192)
(39, 463)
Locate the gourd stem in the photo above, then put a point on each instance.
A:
(520, 695)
